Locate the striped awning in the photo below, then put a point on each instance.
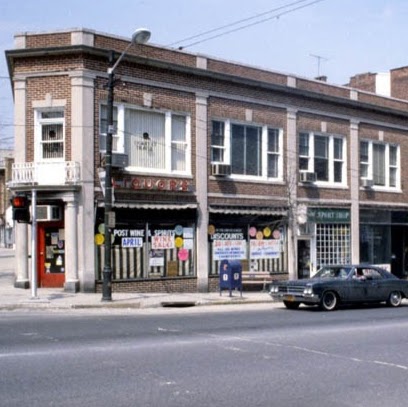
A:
(248, 210)
(155, 206)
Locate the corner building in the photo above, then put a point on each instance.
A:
(212, 160)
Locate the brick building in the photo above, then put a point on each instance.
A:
(212, 160)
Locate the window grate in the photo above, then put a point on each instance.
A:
(333, 244)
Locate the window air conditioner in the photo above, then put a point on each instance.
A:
(220, 170)
(120, 160)
(47, 213)
(367, 183)
(307, 177)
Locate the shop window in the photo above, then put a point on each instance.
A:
(324, 156)
(380, 163)
(252, 151)
(375, 243)
(51, 138)
(333, 244)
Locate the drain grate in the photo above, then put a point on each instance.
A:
(178, 304)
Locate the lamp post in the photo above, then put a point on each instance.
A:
(140, 36)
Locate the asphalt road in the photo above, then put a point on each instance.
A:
(212, 356)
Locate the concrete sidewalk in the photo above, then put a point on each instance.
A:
(55, 298)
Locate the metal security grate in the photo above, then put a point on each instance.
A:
(333, 245)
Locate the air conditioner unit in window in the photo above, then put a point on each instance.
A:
(48, 213)
(220, 170)
(307, 177)
(120, 160)
(367, 183)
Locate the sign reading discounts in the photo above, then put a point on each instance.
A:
(229, 249)
(265, 249)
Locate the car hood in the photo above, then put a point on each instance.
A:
(304, 282)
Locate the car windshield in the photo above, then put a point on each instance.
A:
(333, 272)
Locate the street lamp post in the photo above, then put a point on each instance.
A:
(140, 36)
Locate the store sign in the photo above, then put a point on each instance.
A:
(265, 249)
(326, 215)
(229, 249)
(150, 184)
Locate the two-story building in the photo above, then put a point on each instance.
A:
(212, 160)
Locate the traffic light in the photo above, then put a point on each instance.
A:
(21, 208)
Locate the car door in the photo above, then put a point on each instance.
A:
(374, 289)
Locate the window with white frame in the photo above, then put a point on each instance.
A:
(323, 155)
(154, 141)
(380, 162)
(50, 125)
(252, 151)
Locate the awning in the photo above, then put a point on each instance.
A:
(246, 210)
(155, 206)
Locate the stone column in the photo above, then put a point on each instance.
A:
(82, 92)
(71, 248)
(354, 192)
(20, 229)
(202, 192)
(291, 174)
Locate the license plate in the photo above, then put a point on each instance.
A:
(289, 298)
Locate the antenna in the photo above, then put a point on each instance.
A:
(319, 60)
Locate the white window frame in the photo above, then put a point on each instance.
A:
(119, 139)
(370, 175)
(331, 160)
(39, 122)
(264, 146)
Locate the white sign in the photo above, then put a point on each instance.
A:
(229, 249)
(264, 249)
(163, 242)
(132, 242)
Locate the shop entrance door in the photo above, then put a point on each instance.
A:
(303, 258)
(51, 254)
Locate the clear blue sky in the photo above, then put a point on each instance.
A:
(351, 36)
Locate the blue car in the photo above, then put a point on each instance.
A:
(342, 284)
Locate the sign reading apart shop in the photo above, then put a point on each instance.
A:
(264, 249)
(326, 215)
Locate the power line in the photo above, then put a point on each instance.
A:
(277, 16)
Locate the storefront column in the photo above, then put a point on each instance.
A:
(21, 257)
(71, 248)
(202, 191)
(354, 192)
(291, 174)
(82, 116)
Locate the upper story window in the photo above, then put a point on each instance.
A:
(380, 162)
(252, 151)
(154, 141)
(323, 155)
(50, 137)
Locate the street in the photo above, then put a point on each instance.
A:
(218, 356)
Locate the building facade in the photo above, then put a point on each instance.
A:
(212, 160)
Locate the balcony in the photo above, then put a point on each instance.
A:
(45, 173)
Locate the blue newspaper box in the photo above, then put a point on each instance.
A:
(230, 276)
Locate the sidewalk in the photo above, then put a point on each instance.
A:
(55, 298)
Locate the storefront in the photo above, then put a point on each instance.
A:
(256, 239)
(325, 238)
(384, 239)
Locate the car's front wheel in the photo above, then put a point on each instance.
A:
(395, 299)
(329, 301)
(291, 305)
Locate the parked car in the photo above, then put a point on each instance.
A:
(342, 284)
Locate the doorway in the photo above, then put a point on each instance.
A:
(51, 254)
(303, 258)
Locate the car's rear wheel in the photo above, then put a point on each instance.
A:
(329, 301)
(291, 305)
(395, 299)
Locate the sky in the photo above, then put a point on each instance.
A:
(335, 38)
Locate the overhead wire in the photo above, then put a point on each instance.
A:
(275, 16)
